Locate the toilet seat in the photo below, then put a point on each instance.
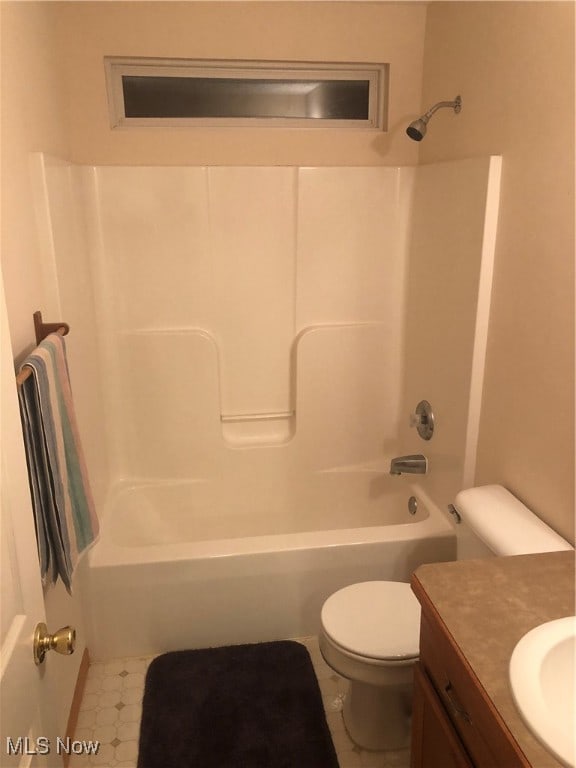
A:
(374, 621)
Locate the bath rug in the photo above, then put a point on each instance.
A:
(239, 706)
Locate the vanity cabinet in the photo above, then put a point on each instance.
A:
(454, 723)
(474, 612)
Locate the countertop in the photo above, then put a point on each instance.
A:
(487, 606)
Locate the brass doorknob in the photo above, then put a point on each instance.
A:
(62, 641)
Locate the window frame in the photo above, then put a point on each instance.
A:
(376, 75)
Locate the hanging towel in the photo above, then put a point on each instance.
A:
(64, 513)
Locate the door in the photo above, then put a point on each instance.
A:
(27, 730)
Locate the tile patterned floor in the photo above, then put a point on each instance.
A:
(112, 705)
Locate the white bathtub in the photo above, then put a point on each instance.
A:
(175, 568)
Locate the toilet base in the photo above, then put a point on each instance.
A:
(378, 717)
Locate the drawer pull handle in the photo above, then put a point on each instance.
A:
(455, 705)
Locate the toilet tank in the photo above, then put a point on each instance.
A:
(495, 522)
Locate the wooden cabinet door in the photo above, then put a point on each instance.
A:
(435, 743)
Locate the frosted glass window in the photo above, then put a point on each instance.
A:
(174, 92)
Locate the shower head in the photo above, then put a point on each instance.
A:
(417, 129)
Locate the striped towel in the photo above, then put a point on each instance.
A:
(65, 518)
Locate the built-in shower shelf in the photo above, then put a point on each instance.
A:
(258, 428)
(241, 417)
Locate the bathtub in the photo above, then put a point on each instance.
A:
(179, 566)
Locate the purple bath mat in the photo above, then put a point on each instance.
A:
(240, 706)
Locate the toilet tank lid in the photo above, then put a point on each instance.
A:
(505, 524)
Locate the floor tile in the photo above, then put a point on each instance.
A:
(111, 709)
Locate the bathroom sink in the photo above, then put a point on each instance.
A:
(542, 675)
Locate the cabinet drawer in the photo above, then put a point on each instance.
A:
(476, 722)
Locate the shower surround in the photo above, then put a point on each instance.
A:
(257, 333)
(234, 299)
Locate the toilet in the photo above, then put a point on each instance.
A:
(370, 635)
(370, 631)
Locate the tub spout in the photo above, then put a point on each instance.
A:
(413, 465)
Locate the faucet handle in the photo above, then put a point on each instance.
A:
(423, 420)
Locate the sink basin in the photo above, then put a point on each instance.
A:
(542, 675)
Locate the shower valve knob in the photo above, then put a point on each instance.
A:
(415, 420)
(423, 420)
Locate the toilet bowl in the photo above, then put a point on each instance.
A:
(370, 635)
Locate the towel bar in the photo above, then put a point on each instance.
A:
(42, 330)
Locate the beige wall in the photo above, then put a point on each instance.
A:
(298, 31)
(32, 109)
(513, 64)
